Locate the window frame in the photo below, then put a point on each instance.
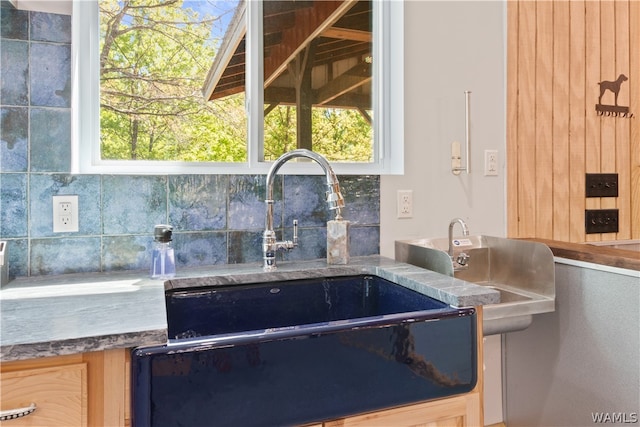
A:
(388, 102)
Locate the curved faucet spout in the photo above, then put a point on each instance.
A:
(465, 232)
(334, 200)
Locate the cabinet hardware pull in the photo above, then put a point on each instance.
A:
(12, 414)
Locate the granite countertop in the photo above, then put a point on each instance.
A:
(76, 313)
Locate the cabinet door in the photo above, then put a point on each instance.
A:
(59, 393)
(459, 411)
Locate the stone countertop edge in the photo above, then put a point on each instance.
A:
(83, 312)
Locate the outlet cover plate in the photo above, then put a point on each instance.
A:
(65, 214)
(490, 162)
(405, 204)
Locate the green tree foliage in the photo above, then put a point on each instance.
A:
(342, 135)
(338, 134)
(154, 57)
(279, 132)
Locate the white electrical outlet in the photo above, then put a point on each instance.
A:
(490, 162)
(65, 214)
(405, 203)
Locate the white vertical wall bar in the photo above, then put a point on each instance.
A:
(254, 82)
(377, 87)
(467, 128)
(85, 101)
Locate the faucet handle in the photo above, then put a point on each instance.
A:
(295, 232)
(462, 259)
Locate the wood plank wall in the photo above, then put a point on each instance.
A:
(557, 52)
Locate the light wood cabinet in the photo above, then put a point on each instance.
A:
(458, 411)
(58, 392)
(87, 389)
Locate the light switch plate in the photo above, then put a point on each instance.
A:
(601, 221)
(601, 185)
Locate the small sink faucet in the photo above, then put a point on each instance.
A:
(465, 231)
(270, 245)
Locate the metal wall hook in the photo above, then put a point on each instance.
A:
(456, 160)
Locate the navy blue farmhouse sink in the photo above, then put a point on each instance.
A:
(300, 351)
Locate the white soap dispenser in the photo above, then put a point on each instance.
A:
(163, 263)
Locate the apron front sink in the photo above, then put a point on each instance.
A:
(300, 351)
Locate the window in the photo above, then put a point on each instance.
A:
(338, 106)
(154, 58)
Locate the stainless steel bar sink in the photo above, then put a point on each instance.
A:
(522, 271)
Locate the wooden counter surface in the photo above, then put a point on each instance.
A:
(596, 254)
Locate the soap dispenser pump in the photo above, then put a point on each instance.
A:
(163, 264)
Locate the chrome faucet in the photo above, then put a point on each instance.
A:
(270, 245)
(463, 257)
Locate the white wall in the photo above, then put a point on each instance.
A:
(450, 47)
(50, 6)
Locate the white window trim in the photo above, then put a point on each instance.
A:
(388, 102)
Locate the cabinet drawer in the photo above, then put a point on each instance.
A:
(457, 411)
(59, 392)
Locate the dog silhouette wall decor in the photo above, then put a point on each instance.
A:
(612, 110)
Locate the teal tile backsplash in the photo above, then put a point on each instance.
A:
(13, 205)
(198, 202)
(133, 204)
(14, 24)
(14, 73)
(50, 139)
(14, 128)
(42, 187)
(49, 86)
(217, 219)
(50, 27)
